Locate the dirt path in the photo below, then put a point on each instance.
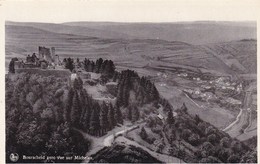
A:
(233, 123)
(98, 143)
(243, 117)
(249, 124)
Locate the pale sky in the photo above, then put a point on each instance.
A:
(58, 11)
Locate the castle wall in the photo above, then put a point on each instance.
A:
(45, 72)
(18, 64)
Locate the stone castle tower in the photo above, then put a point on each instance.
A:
(47, 53)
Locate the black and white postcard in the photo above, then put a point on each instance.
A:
(129, 82)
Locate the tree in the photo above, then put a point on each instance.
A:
(207, 146)
(172, 136)
(92, 66)
(111, 117)
(202, 126)
(115, 76)
(184, 108)
(210, 159)
(186, 134)
(249, 157)
(197, 119)
(140, 96)
(94, 120)
(67, 109)
(87, 65)
(212, 138)
(58, 143)
(135, 114)
(39, 106)
(170, 119)
(65, 140)
(224, 142)
(118, 115)
(98, 65)
(233, 159)
(104, 124)
(78, 83)
(83, 101)
(119, 96)
(76, 110)
(109, 68)
(223, 154)
(210, 130)
(86, 118)
(154, 94)
(102, 68)
(173, 151)
(236, 146)
(69, 64)
(194, 139)
(143, 134)
(129, 113)
(11, 66)
(126, 89)
(160, 147)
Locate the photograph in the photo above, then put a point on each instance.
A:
(111, 82)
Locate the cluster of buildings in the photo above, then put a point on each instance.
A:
(211, 89)
(197, 93)
(46, 58)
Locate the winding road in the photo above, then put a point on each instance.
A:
(99, 143)
(243, 117)
(233, 123)
(162, 157)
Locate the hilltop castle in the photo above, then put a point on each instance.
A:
(46, 57)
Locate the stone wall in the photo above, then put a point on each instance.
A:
(45, 72)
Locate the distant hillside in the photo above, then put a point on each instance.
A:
(239, 55)
(73, 30)
(138, 53)
(79, 41)
(190, 32)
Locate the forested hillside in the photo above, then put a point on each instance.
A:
(45, 115)
(35, 124)
(205, 143)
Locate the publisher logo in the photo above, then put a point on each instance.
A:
(14, 157)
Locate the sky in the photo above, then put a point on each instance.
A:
(59, 11)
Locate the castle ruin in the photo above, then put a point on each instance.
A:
(46, 56)
(46, 53)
